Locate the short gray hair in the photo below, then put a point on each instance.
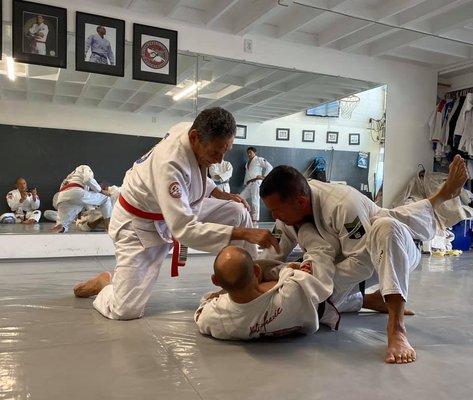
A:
(214, 123)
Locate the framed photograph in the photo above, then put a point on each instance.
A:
(354, 139)
(39, 34)
(308, 136)
(154, 54)
(240, 132)
(100, 44)
(332, 137)
(282, 133)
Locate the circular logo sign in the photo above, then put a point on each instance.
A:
(155, 54)
(175, 190)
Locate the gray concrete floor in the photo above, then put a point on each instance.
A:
(53, 346)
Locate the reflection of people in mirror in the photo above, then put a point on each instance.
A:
(24, 204)
(100, 48)
(37, 35)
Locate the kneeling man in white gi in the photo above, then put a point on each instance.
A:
(164, 200)
(77, 191)
(353, 239)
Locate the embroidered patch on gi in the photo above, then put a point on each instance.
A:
(277, 233)
(355, 229)
(175, 190)
(381, 253)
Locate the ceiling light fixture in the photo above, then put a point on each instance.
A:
(189, 90)
(11, 68)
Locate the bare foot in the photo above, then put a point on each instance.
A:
(93, 286)
(29, 222)
(57, 229)
(457, 176)
(374, 301)
(399, 350)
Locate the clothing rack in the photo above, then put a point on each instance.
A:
(455, 94)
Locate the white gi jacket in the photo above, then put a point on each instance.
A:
(342, 217)
(84, 176)
(101, 50)
(168, 180)
(464, 127)
(224, 170)
(13, 200)
(290, 306)
(42, 29)
(257, 166)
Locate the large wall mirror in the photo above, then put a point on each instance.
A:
(330, 128)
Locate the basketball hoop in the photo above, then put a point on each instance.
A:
(347, 105)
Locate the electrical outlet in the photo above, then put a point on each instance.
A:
(248, 46)
(154, 120)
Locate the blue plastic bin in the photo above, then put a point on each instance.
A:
(463, 236)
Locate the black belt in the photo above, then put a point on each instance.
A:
(222, 183)
(100, 55)
(362, 287)
(321, 309)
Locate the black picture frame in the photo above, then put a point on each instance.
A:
(308, 135)
(51, 52)
(354, 139)
(143, 67)
(118, 53)
(240, 132)
(332, 137)
(283, 134)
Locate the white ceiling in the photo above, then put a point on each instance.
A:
(252, 92)
(260, 93)
(338, 28)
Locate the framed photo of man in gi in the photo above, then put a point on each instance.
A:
(100, 44)
(154, 54)
(39, 34)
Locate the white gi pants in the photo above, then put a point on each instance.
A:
(72, 201)
(36, 215)
(251, 194)
(39, 48)
(140, 251)
(391, 249)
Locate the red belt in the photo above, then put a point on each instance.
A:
(70, 185)
(177, 261)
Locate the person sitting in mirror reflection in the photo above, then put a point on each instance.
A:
(255, 170)
(100, 48)
(221, 174)
(23, 203)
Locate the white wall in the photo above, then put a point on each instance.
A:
(461, 82)
(411, 89)
(371, 105)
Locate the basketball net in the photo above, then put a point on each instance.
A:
(348, 105)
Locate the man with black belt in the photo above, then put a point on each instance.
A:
(165, 200)
(255, 170)
(221, 174)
